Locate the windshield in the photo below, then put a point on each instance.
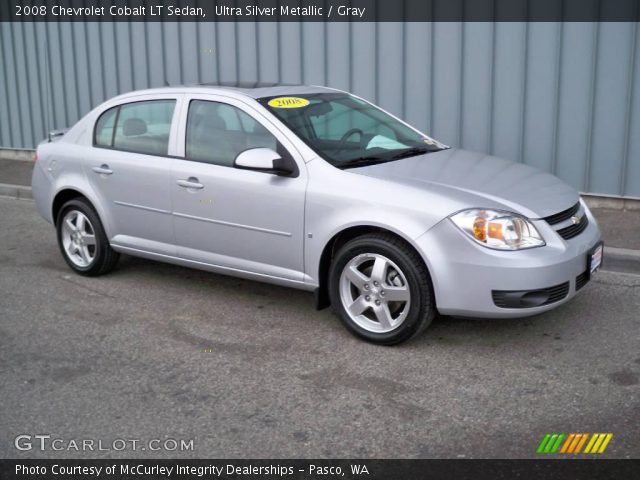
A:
(346, 131)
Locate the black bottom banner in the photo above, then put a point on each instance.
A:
(591, 469)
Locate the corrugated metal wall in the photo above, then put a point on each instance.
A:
(562, 96)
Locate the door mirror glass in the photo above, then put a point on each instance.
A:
(263, 160)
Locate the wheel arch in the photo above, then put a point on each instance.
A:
(336, 242)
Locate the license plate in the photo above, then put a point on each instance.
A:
(595, 257)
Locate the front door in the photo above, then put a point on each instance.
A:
(241, 220)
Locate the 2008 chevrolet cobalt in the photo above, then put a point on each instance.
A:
(317, 189)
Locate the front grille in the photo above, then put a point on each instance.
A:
(579, 221)
(581, 280)
(529, 298)
(562, 216)
(574, 230)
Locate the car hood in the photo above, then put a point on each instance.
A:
(516, 186)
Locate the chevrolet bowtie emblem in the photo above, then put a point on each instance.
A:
(576, 220)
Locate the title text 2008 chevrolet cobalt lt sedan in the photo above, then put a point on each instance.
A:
(317, 189)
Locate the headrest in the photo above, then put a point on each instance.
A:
(133, 127)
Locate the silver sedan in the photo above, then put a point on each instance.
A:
(317, 189)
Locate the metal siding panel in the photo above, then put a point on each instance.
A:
(139, 56)
(417, 73)
(247, 53)
(156, 54)
(390, 71)
(574, 103)
(269, 54)
(608, 136)
(81, 67)
(12, 100)
(109, 61)
(171, 52)
(290, 56)
(337, 55)
(632, 177)
(447, 96)
(509, 69)
(5, 117)
(36, 111)
(208, 52)
(363, 60)
(20, 54)
(477, 79)
(189, 52)
(540, 97)
(313, 67)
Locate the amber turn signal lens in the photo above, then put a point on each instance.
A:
(479, 228)
(495, 230)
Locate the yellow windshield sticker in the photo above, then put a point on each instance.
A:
(288, 102)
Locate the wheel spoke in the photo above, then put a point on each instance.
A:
(358, 306)
(89, 239)
(383, 315)
(356, 277)
(396, 294)
(379, 269)
(80, 222)
(84, 253)
(70, 226)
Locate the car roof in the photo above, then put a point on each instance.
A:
(250, 89)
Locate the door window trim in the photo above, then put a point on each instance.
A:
(253, 112)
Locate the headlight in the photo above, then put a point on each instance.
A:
(500, 230)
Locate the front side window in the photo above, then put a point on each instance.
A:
(347, 131)
(218, 132)
(140, 127)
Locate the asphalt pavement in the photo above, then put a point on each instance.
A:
(244, 369)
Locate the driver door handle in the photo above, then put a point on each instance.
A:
(191, 182)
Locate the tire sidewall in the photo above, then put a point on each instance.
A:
(419, 300)
(100, 237)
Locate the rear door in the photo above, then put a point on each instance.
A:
(243, 220)
(129, 169)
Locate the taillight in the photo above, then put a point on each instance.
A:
(35, 156)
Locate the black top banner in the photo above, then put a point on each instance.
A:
(320, 11)
(600, 469)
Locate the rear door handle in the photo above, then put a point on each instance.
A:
(103, 169)
(191, 182)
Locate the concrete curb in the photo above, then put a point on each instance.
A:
(623, 260)
(19, 154)
(16, 191)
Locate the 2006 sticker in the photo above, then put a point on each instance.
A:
(288, 102)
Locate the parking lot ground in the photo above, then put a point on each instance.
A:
(251, 370)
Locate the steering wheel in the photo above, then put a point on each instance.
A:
(346, 137)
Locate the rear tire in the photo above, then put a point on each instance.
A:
(381, 289)
(82, 239)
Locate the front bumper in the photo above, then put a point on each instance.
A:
(465, 273)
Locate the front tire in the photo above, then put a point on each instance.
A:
(82, 239)
(381, 289)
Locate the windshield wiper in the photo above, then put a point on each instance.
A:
(411, 152)
(363, 161)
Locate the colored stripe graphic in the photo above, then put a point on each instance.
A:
(572, 443)
(581, 443)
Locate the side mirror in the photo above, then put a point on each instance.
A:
(265, 160)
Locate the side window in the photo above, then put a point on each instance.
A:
(217, 133)
(141, 127)
(104, 127)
